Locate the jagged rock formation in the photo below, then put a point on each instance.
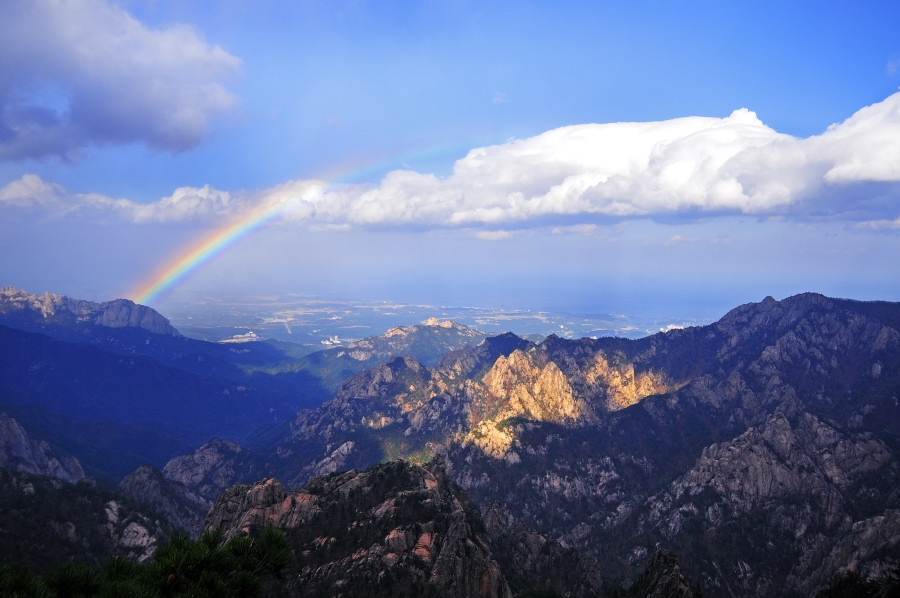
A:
(50, 307)
(533, 562)
(182, 507)
(213, 467)
(754, 469)
(393, 530)
(18, 452)
(187, 487)
(662, 579)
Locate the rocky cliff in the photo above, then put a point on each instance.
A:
(393, 530)
(58, 309)
(183, 508)
(18, 452)
(776, 439)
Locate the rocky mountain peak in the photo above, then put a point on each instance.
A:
(18, 452)
(440, 323)
(50, 307)
(211, 468)
(150, 486)
(122, 313)
(393, 529)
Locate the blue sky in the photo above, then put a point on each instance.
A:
(586, 156)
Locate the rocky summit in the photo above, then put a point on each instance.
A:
(393, 530)
(30, 311)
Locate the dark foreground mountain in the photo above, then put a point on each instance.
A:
(399, 529)
(45, 523)
(51, 515)
(761, 449)
(392, 530)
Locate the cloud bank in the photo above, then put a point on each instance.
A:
(84, 72)
(689, 167)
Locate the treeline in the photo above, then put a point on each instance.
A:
(206, 567)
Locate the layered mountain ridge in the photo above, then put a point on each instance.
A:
(752, 448)
(762, 449)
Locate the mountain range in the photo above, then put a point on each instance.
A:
(759, 453)
(115, 384)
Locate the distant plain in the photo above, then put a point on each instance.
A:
(318, 323)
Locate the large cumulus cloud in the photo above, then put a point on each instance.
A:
(693, 167)
(84, 72)
(688, 167)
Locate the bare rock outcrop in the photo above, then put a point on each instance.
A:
(184, 508)
(394, 529)
(50, 307)
(18, 452)
(663, 578)
(212, 468)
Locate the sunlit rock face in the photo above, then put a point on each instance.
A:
(526, 385)
(624, 387)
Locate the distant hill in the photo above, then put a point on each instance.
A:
(427, 343)
(116, 385)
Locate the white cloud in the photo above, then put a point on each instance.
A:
(888, 225)
(865, 147)
(31, 190)
(494, 235)
(184, 203)
(575, 229)
(85, 72)
(578, 175)
(295, 200)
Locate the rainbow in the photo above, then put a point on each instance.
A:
(202, 251)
